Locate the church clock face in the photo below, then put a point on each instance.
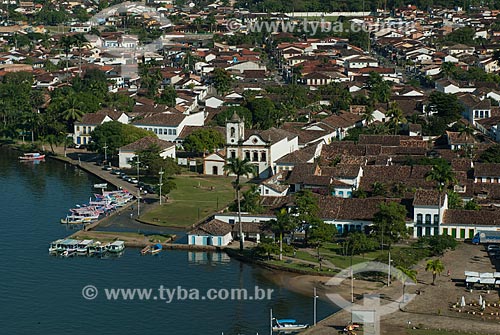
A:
(254, 141)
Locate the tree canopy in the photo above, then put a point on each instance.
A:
(389, 222)
(204, 140)
(115, 135)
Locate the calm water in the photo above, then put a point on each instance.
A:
(41, 294)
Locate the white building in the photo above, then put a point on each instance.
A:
(212, 233)
(129, 151)
(83, 128)
(168, 126)
(262, 149)
(428, 210)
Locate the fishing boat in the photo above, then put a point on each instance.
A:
(83, 247)
(288, 325)
(116, 247)
(32, 156)
(102, 185)
(97, 249)
(155, 249)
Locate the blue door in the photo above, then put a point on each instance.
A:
(220, 241)
(193, 239)
(205, 240)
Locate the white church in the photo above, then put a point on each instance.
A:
(261, 148)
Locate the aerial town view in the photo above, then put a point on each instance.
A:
(246, 167)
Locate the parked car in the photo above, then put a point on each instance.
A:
(493, 247)
(107, 168)
(133, 180)
(117, 172)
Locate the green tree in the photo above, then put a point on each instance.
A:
(266, 247)
(204, 140)
(167, 97)
(379, 189)
(263, 113)
(442, 175)
(380, 89)
(222, 80)
(491, 155)
(396, 115)
(389, 223)
(406, 275)
(436, 267)
(307, 207)
(285, 222)
(472, 205)
(454, 200)
(239, 168)
(320, 233)
(445, 105)
(115, 135)
(243, 112)
(251, 200)
(152, 161)
(359, 243)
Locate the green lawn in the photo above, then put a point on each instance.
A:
(195, 198)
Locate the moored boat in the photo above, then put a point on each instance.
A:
(116, 247)
(102, 185)
(68, 247)
(155, 249)
(146, 250)
(83, 247)
(97, 249)
(32, 156)
(288, 325)
(54, 248)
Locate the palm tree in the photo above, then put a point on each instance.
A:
(443, 175)
(73, 112)
(436, 266)
(239, 168)
(405, 275)
(467, 130)
(396, 115)
(368, 117)
(283, 223)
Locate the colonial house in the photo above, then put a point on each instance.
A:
(214, 233)
(262, 149)
(274, 186)
(457, 141)
(83, 128)
(460, 223)
(129, 151)
(428, 209)
(487, 173)
(168, 126)
(475, 108)
(450, 86)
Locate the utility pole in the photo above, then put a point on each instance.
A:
(389, 272)
(160, 184)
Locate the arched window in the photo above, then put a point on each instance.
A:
(436, 218)
(427, 218)
(233, 131)
(419, 218)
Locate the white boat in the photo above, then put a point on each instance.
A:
(102, 185)
(68, 247)
(288, 325)
(54, 248)
(32, 156)
(116, 247)
(83, 247)
(97, 249)
(155, 249)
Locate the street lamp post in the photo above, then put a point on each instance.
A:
(389, 271)
(138, 165)
(315, 298)
(139, 201)
(160, 184)
(105, 147)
